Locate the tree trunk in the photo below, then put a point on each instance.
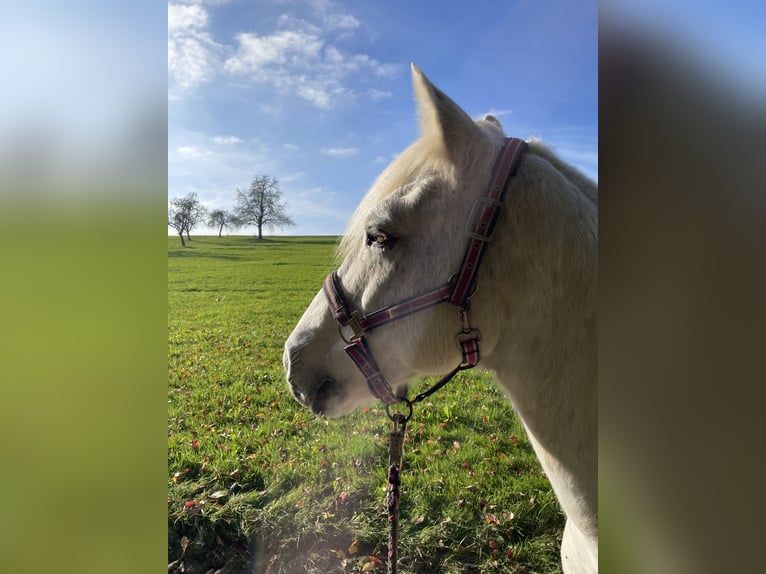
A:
(187, 235)
(260, 235)
(181, 235)
(220, 229)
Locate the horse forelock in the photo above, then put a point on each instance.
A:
(424, 156)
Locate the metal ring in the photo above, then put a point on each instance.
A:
(409, 414)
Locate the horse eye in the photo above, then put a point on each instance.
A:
(380, 240)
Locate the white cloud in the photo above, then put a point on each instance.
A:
(192, 53)
(303, 63)
(191, 151)
(499, 113)
(270, 110)
(288, 22)
(291, 177)
(256, 54)
(339, 151)
(226, 140)
(298, 57)
(378, 94)
(341, 22)
(182, 16)
(289, 146)
(331, 18)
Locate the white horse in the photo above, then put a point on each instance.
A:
(534, 304)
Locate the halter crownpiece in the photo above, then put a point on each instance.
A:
(481, 225)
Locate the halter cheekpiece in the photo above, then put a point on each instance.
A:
(457, 291)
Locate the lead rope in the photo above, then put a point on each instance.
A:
(395, 452)
(468, 339)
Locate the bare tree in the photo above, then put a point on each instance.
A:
(196, 212)
(260, 205)
(220, 218)
(176, 221)
(184, 213)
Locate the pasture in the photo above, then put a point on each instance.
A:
(256, 483)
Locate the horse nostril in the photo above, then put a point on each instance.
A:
(322, 388)
(319, 398)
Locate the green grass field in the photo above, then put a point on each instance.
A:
(258, 484)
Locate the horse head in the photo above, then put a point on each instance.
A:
(407, 236)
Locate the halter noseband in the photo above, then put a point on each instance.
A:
(457, 291)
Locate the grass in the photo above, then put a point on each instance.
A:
(258, 484)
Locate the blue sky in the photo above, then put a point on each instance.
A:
(317, 93)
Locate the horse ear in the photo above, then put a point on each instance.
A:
(441, 118)
(493, 120)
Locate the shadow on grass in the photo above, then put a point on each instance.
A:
(221, 248)
(292, 241)
(187, 252)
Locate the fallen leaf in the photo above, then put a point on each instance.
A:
(340, 554)
(218, 494)
(354, 548)
(491, 518)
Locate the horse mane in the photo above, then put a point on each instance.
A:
(428, 154)
(583, 183)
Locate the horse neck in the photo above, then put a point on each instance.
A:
(541, 322)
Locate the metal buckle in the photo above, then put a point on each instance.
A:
(356, 326)
(472, 224)
(469, 335)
